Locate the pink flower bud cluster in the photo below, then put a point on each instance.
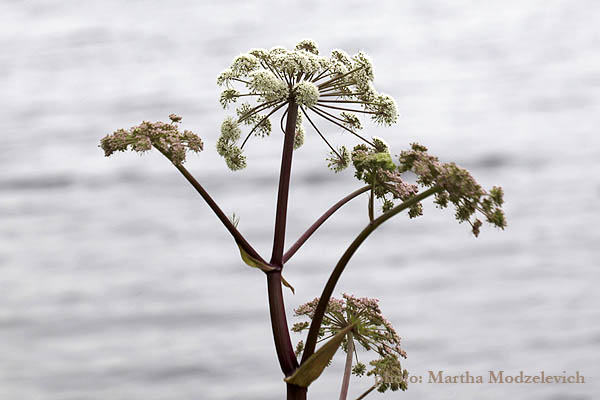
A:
(459, 188)
(372, 330)
(166, 137)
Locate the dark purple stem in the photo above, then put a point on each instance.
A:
(238, 237)
(296, 392)
(284, 186)
(306, 235)
(313, 332)
(281, 334)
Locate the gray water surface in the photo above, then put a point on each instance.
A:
(117, 282)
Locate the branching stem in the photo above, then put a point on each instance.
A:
(281, 334)
(260, 122)
(323, 114)
(313, 331)
(306, 235)
(331, 81)
(320, 103)
(237, 236)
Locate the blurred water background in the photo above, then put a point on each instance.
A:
(117, 282)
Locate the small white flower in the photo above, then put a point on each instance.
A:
(385, 110)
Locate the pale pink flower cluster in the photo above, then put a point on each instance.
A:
(373, 331)
(397, 186)
(166, 137)
(459, 188)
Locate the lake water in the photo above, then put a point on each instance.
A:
(117, 282)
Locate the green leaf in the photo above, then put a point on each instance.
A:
(287, 284)
(313, 367)
(254, 263)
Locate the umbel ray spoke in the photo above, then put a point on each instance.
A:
(319, 132)
(282, 119)
(330, 82)
(347, 101)
(257, 109)
(320, 103)
(341, 126)
(259, 123)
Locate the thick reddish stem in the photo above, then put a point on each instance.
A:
(284, 185)
(296, 392)
(237, 236)
(281, 333)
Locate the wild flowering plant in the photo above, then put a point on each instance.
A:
(297, 91)
(320, 87)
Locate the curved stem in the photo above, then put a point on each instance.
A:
(292, 250)
(366, 393)
(320, 134)
(323, 114)
(281, 121)
(313, 331)
(260, 122)
(237, 236)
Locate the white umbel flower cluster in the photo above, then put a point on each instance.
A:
(267, 85)
(226, 144)
(334, 88)
(306, 94)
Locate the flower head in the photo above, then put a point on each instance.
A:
(372, 332)
(306, 94)
(375, 166)
(458, 188)
(339, 160)
(389, 373)
(164, 136)
(334, 89)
